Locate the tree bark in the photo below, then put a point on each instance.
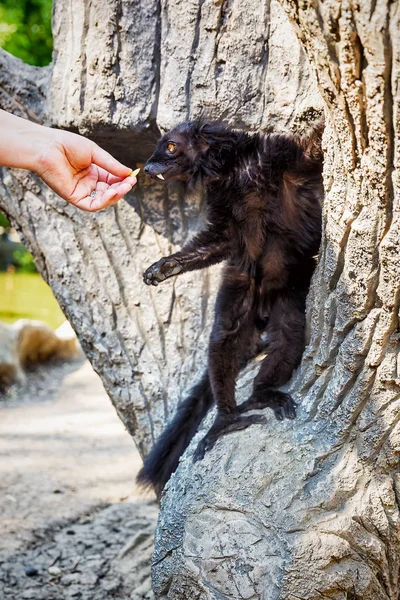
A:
(159, 64)
(308, 509)
(311, 509)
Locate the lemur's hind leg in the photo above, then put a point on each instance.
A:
(284, 348)
(281, 403)
(231, 344)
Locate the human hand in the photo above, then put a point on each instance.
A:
(81, 172)
(73, 166)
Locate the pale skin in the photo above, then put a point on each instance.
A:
(73, 166)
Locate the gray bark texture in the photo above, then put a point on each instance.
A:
(300, 510)
(121, 73)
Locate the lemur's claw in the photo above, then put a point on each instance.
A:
(222, 425)
(161, 270)
(281, 403)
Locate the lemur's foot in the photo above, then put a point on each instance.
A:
(222, 425)
(281, 403)
(164, 268)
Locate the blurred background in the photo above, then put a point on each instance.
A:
(25, 32)
(67, 464)
(23, 293)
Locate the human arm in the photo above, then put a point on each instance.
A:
(73, 166)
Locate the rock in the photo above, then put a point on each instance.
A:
(10, 366)
(74, 591)
(110, 585)
(77, 572)
(70, 578)
(30, 594)
(26, 343)
(31, 571)
(88, 578)
(38, 343)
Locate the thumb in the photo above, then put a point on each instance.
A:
(103, 159)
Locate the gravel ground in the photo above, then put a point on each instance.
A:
(72, 523)
(102, 555)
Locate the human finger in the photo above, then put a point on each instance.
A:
(103, 159)
(104, 175)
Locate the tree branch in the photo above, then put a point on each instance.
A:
(23, 87)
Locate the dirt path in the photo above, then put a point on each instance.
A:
(67, 496)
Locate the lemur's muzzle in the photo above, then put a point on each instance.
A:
(154, 170)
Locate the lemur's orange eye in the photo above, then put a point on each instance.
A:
(171, 147)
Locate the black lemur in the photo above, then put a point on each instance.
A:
(263, 203)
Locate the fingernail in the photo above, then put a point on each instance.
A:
(135, 173)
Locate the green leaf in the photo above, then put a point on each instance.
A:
(25, 30)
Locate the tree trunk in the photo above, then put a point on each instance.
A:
(159, 64)
(308, 509)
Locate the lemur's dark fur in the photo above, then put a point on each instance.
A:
(263, 195)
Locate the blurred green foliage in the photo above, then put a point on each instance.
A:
(4, 221)
(23, 261)
(13, 254)
(25, 30)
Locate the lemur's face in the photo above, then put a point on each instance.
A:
(174, 156)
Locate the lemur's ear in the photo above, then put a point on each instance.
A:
(204, 137)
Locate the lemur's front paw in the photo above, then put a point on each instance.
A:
(164, 268)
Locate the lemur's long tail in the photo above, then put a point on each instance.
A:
(172, 443)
